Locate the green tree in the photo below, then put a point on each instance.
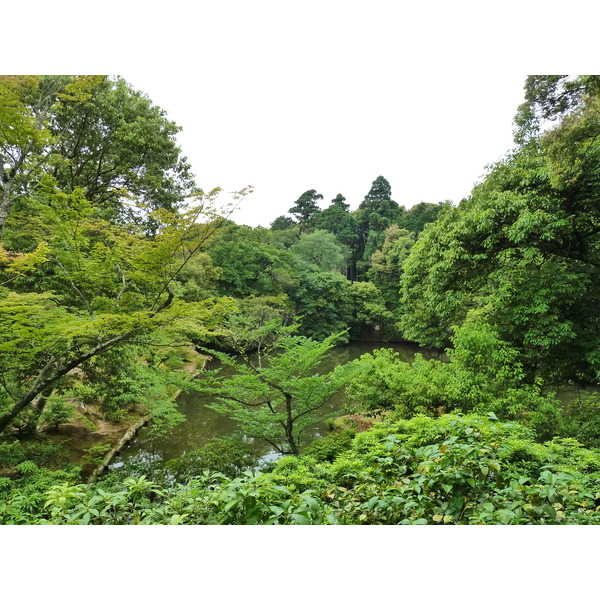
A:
(484, 374)
(282, 222)
(551, 98)
(338, 219)
(525, 252)
(249, 264)
(370, 317)
(323, 302)
(25, 103)
(90, 132)
(305, 209)
(387, 263)
(279, 400)
(417, 216)
(198, 280)
(374, 215)
(89, 287)
(120, 148)
(319, 248)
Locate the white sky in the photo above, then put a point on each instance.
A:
(324, 95)
(334, 127)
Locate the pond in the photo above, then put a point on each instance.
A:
(204, 424)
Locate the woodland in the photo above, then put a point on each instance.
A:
(121, 280)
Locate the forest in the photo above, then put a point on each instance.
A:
(123, 284)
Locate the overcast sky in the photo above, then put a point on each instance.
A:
(329, 96)
(334, 127)
(324, 95)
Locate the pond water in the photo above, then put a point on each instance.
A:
(204, 424)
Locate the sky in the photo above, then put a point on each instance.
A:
(325, 95)
(335, 130)
(330, 96)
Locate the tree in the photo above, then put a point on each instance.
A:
(277, 401)
(305, 209)
(282, 222)
(319, 248)
(89, 287)
(94, 133)
(550, 98)
(417, 216)
(370, 317)
(338, 219)
(386, 264)
(23, 133)
(322, 299)
(249, 264)
(483, 374)
(374, 215)
(524, 251)
(120, 148)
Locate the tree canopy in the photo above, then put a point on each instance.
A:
(522, 250)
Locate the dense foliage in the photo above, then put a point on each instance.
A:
(118, 279)
(521, 253)
(276, 398)
(451, 469)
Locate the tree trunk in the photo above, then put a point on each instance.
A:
(5, 201)
(289, 425)
(56, 372)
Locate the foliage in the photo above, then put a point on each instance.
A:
(117, 140)
(319, 248)
(57, 412)
(93, 286)
(328, 448)
(248, 264)
(198, 280)
(523, 252)
(115, 270)
(42, 453)
(375, 214)
(338, 220)
(581, 419)
(322, 300)
(370, 316)
(305, 209)
(419, 215)
(24, 112)
(387, 266)
(483, 375)
(276, 399)
(92, 133)
(451, 470)
(281, 223)
(223, 455)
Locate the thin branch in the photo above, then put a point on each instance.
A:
(125, 283)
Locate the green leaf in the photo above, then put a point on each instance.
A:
(299, 519)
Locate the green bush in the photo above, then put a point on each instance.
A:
(581, 420)
(225, 455)
(327, 448)
(448, 470)
(484, 375)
